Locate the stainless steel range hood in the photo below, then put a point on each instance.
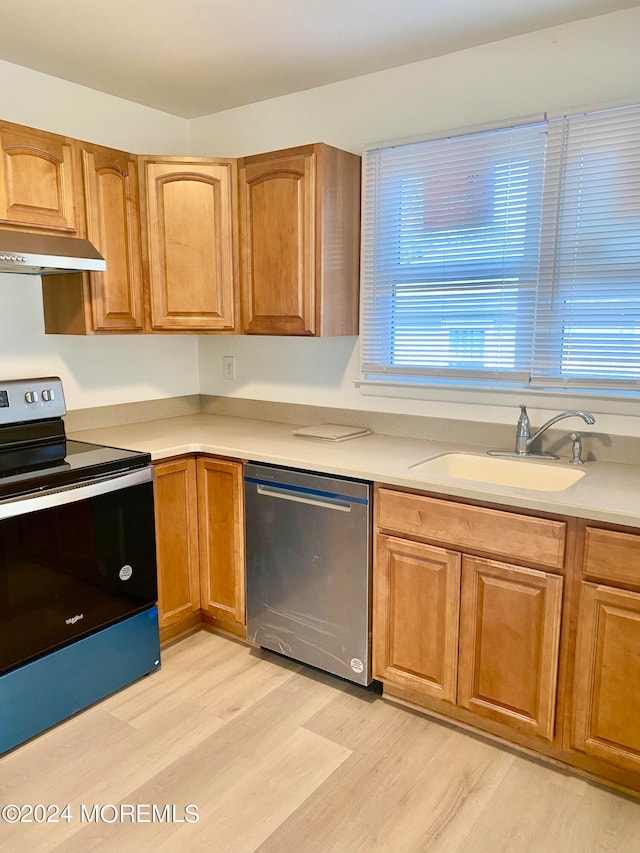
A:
(44, 254)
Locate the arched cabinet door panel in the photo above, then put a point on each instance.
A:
(113, 300)
(190, 224)
(299, 215)
(36, 180)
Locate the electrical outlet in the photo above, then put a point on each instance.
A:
(228, 367)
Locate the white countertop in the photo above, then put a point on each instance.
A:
(608, 491)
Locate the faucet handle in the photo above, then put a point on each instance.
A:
(576, 449)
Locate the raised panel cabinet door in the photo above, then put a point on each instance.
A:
(277, 200)
(190, 224)
(509, 644)
(176, 513)
(415, 616)
(110, 183)
(36, 180)
(109, 301)
(221, 522)
(606, 697)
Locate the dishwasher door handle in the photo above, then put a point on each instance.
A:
(304, 497)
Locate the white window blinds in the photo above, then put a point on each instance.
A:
(451, 247)
(588, 320)
(510, 255)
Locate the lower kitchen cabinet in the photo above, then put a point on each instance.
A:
(176, 511)
(526, 627)
(606, 698)
(605, 704)
(416, 607)
(199, 510)
(472, 633)
(221, 534)
(480, 634)
(509, 644)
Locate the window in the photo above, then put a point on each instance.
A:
(506, 256)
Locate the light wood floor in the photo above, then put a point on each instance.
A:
(281, 759)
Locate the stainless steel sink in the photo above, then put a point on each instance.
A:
(521, 473)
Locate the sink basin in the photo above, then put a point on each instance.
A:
(521, 473)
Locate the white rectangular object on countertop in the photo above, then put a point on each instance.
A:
(331, 432)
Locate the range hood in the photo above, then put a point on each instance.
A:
(45, 254)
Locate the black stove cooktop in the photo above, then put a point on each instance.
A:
(35, 468)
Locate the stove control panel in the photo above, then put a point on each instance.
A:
(31, 400)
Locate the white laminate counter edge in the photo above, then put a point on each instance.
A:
(610, 492)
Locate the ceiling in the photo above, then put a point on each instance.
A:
(195, 57)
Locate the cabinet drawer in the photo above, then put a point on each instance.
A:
(611, 556)
(520, 537)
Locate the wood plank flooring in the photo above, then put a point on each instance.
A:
(282, 759)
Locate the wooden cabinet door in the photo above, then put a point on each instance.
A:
(278, 244)
(109, 301)
(221, 521)
(36, 180)
(415, 616)
(190, 224)
(111, 193)
(606, 698)
(299, 234)
(176, 512)
(509, 644)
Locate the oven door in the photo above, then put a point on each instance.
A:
(73, 561)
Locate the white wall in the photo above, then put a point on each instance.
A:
(97, 370)
(592, 62)
(48, 103)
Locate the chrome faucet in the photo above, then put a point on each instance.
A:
(524, 439)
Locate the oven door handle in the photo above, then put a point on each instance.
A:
(14, 507)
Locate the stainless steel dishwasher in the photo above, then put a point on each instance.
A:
(309, 568)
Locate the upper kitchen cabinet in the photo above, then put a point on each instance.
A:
(110, 301)
(36, 180)
(300, 241)
(190, 234)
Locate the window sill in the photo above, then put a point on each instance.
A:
(610, 402)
